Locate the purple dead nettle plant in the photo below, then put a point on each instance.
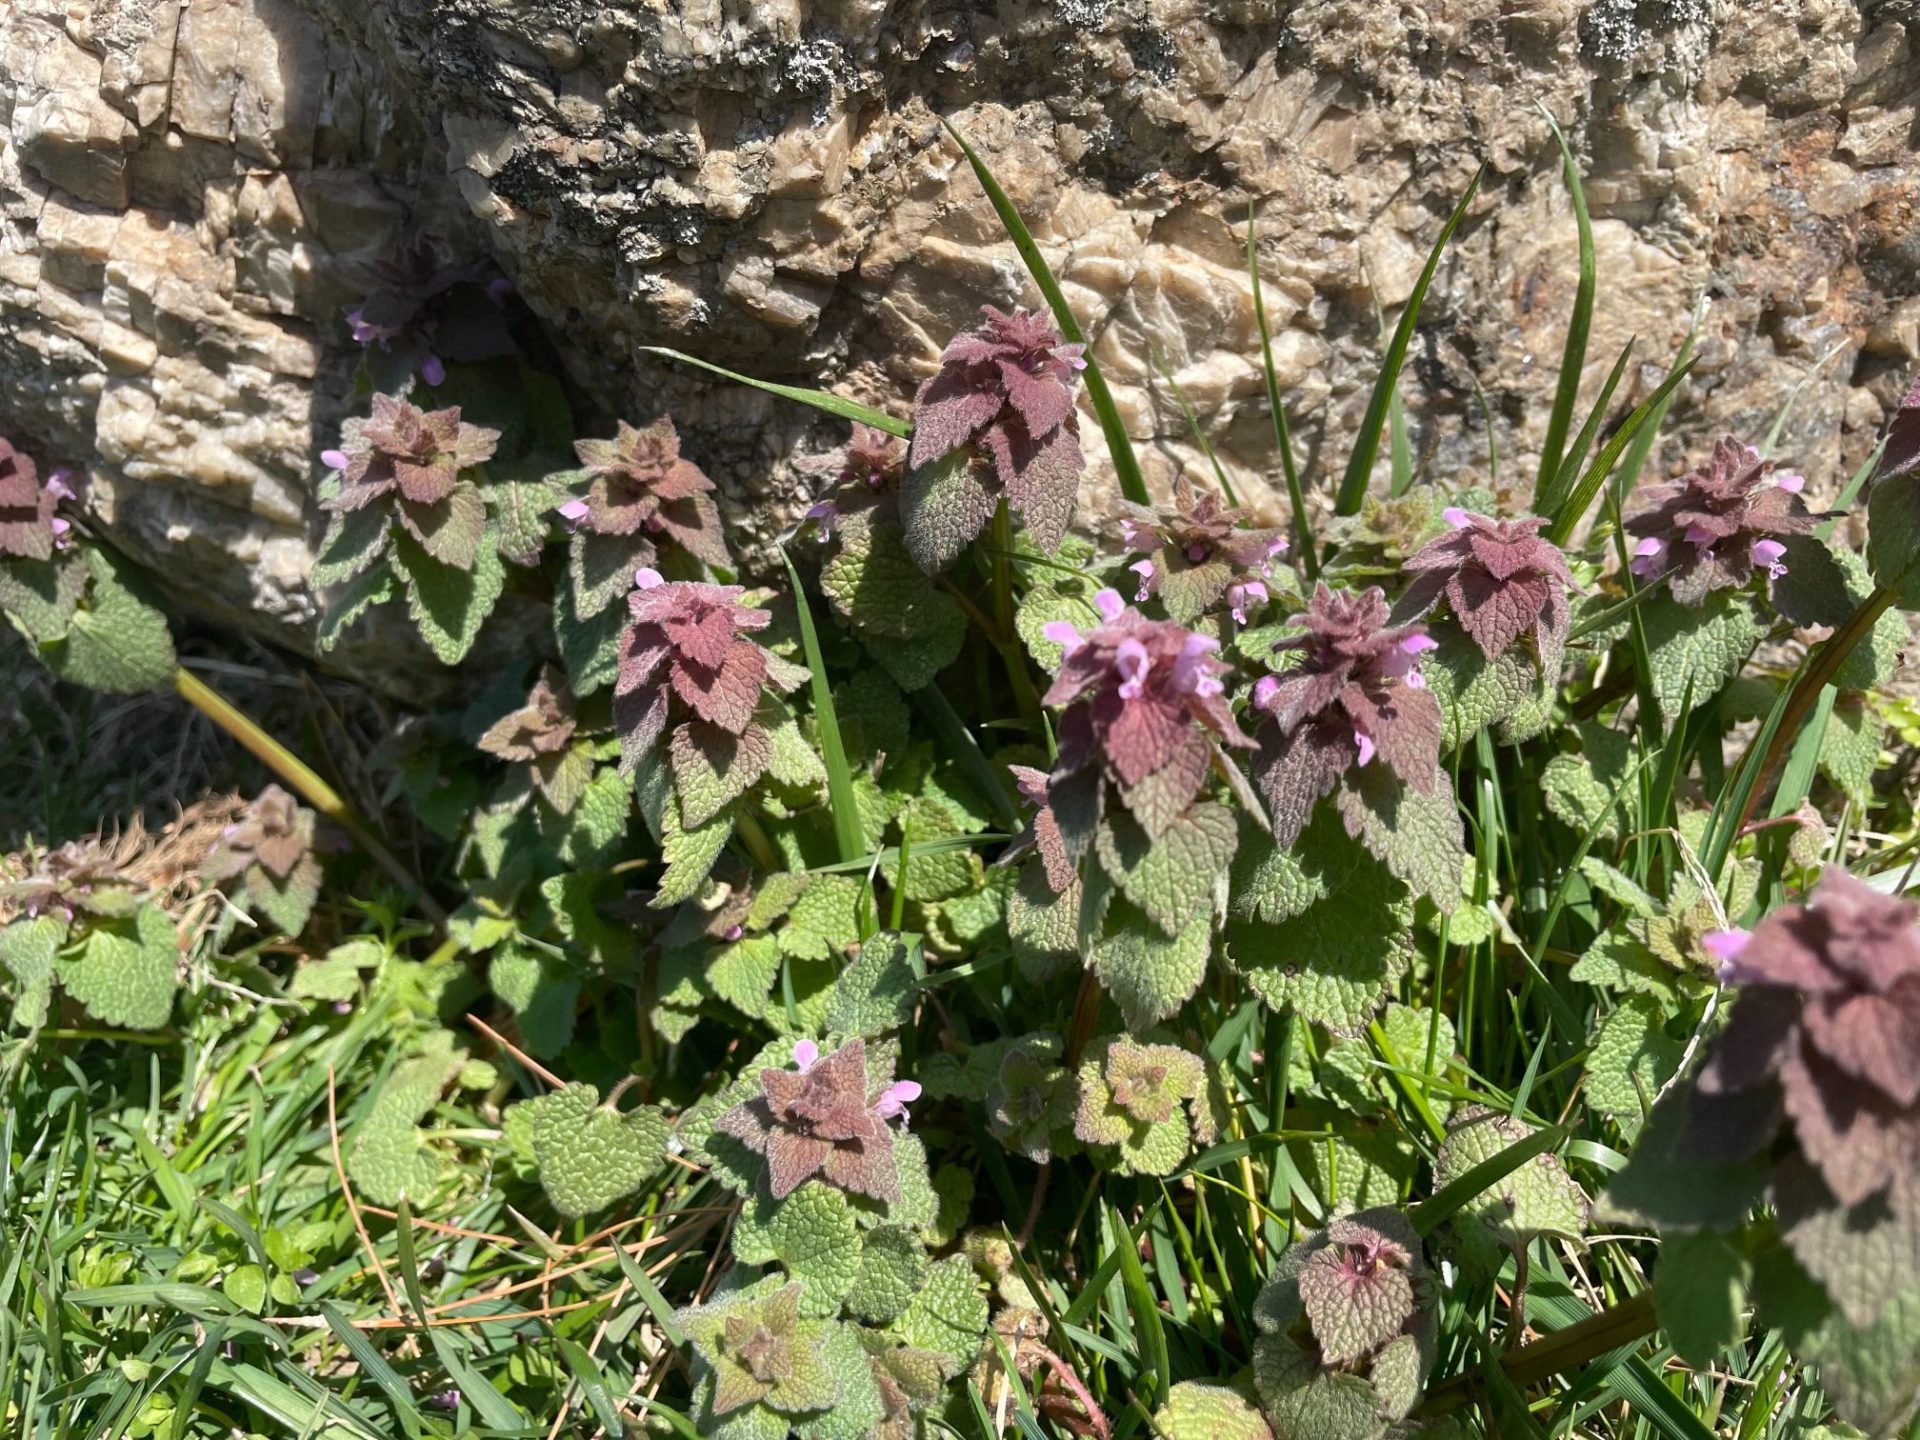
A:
(539, 736)
(1199, 553)
(1824, 1043)
(1501, 579)
(29, 528)
(687, 654)
(413, 462)
(643, 496)
(1354, 699)
(1144, 709)
(426, 313)
(868, 475)
(995, 421)
(827, 1118)
(1720, 524)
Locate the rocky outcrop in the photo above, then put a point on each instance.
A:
(192, 191)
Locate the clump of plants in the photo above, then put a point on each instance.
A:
(995, 961)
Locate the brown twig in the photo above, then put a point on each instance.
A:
(514, 1050)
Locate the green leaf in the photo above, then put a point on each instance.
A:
(1537, 1198)
(1200, 1410)
(1126, 466)
(1579, 788)
(520, 511)
(1337, 961)
(712, 768)
(893, 1269)
(388, 1159)
(1420, 836)
(689, 855)
(1148, 975)
(590, 1156)
(347, 604)
(1173, 878)
(1574, 353)
(123, 971)
(1055, 596)
(944, 507)
(287, 903)
(1893, 537)
(1871, 1374)
(1366, 445)
(1850, 749)
(947, 1316)
(42, 595)
(116, 642)
(1700, 1288)
(542, 992)
(246, 1287)
(355, 539)
(875, 994)
(913, 629)
(814, 1235)
(27, 949)
(819, 399)
(1474, 692)
(1632, 1057)
(1704, 646)
(449, 604)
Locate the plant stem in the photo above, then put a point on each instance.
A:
(1086, 1014)
(1622, 1324)
(297, 773)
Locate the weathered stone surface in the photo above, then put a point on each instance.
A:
(191, 190)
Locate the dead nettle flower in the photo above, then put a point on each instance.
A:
(999, 413)
(869, 472)
(1716, 526)
(1501, 578)
(1356, 694)
(643, 488)
(540, 735)
(687, 651)
(1198, 553)
(429, 313)
(826, 1118)
(29, 528)
(1144, 707)
(1826, 1034)
(413, 459)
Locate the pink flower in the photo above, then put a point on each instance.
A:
(1765, 555)
(1144, 569)
(1133, 663)
(805, 1052)
(1456, 517)
(647, 577)
(894, 1100)
(334, 459)
(1724, 947)
(1263, 691)
(1648, 556)
(1365, 744)
(1245, 595)
(1792, 484)
(574, 513)
(1062, 633)
(433, 370)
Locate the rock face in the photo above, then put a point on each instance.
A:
(191, 192)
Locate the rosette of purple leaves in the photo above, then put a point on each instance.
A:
(828, 1118)
(1719, 524)
(1198, 552)
(1501, 579)
(412, 462)
(994, 422)
(269, 853)
(1354, 705)
(643, 494)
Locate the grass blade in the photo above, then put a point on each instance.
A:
(1573, 354)
(375, 1367)
(1126, 465)
(1429, 1214)
(1366, 448)
(592, 1383)
(1577, 454)
(493, 1408)
(1568, 515)
(833, 751)
(1199, 435)
(1146, 1314)
(1282, 435)
(819, 399)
